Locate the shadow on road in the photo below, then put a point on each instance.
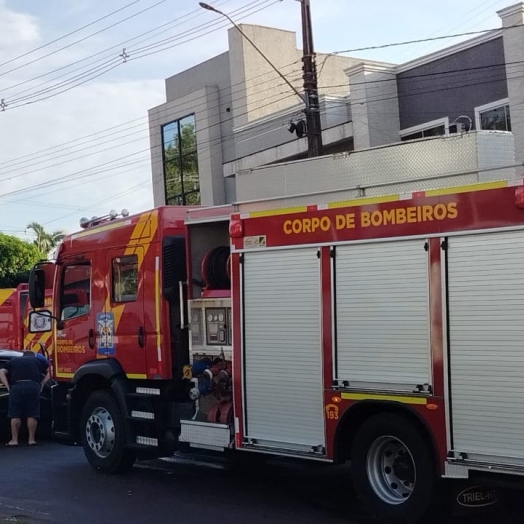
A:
(329, 490)
(54, 484)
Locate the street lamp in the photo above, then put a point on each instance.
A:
(310, 98)
(215, 10)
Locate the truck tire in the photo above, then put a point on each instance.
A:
(103, 434)
(393, 469)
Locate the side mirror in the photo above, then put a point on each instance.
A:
(37, 288)
(40, 321)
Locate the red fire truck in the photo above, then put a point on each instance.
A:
(14, 309)
(387, 332)
(12, 305)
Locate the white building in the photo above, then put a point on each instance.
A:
(233, 112)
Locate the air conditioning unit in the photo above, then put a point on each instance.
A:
(457, 127)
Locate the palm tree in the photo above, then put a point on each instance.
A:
(45, 242)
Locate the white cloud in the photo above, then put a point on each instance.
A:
(17, 29)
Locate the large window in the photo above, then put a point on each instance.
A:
(494, 116)
(180, 162)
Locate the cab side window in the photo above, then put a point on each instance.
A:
(75, 293)
(124, 279)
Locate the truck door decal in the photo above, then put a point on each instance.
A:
(105, 330)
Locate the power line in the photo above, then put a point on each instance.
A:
(200, 144)
(40, 154)
(98, 151)
(10, 101)
(112, 197)
(103, 71)
(461, 22)
(82, 39)
(74, 176)
(221, 26)
(151, 149)
(494, 65)
(89, 74)
(27, 100)
(459, 85)
(201, 27)
(69, 34)
(405, 77)
(203, 97)
(116, 46)
(142, 54)
(429, 39)
(394, 76)
(87, 172)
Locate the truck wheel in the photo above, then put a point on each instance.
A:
(393, 469)
(103, 435)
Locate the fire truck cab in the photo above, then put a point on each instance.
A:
(125, 365)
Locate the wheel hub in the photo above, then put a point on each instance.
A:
(391, 470)
(403, 468)
(100, 432)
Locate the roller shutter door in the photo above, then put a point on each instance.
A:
(282, 348)
(486, 332)
(382, 314)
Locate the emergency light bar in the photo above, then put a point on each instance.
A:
(95, 221)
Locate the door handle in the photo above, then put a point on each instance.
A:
(91, 338)
(141, 337)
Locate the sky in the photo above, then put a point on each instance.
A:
(74, 133)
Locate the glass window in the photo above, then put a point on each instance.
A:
(431, 131)
(170, 137)
(75, 295)
(180, 162)
(435, 131)
(125, 278)
(497, 119)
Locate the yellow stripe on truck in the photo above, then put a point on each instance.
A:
(364, 201)
(5, 294)
(391, 398)
(483, 186)
(275, 212)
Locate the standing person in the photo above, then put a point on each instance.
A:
(24, 378)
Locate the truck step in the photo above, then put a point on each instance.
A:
(147, 441)
(142, 415)
(147, 391)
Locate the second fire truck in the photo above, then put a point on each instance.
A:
(387, 332)
(14, 312)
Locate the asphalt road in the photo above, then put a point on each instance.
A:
(52, 483)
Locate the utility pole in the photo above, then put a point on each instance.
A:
(313, 125)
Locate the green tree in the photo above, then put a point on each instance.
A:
(181, 166)
(16, 259)
(45, 241)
